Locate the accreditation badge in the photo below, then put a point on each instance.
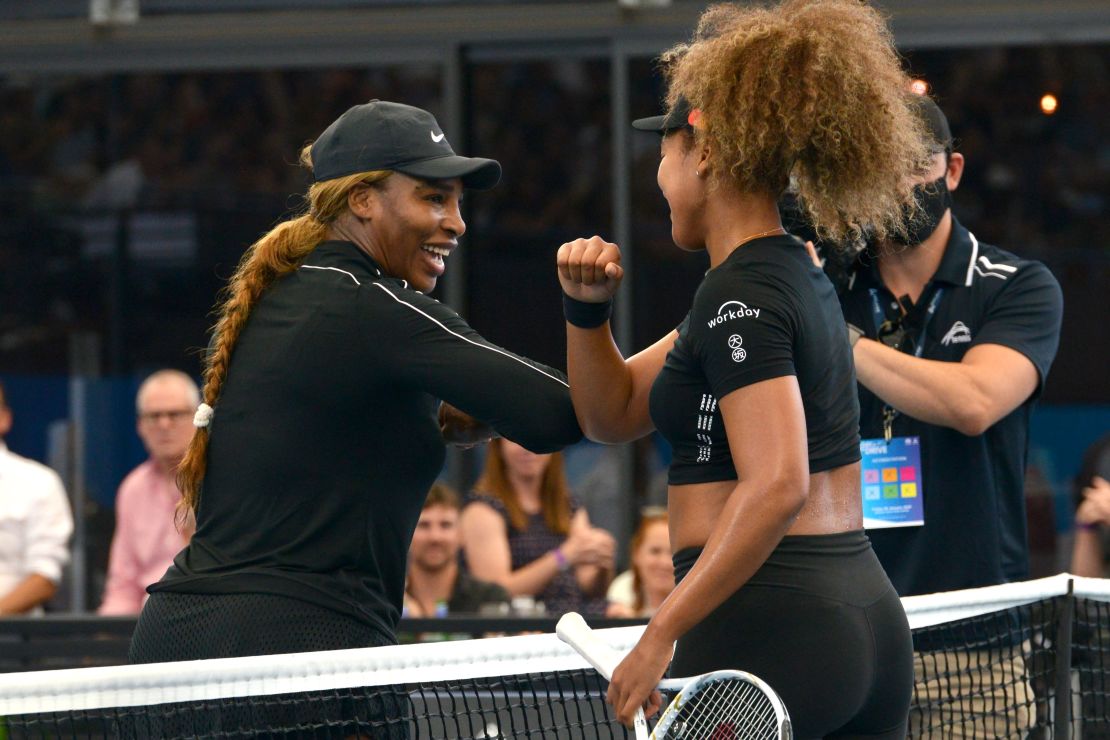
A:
(891, 484)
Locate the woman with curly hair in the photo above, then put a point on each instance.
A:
(755, 390)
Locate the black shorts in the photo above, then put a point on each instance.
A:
(180, 626)
(821, 623)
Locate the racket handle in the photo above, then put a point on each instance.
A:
(573, 630)
(639, 725)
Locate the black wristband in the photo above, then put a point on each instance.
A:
(586, 315)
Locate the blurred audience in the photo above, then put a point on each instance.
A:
(1091, 551)
(148, 535)
(436, 586)
(640, 590)
(35, 526)
(522, 528)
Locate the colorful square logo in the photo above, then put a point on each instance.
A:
(909, 490)
(890, 491)
(909, 472)
(871, 493)
(870, 476)
(890, 475)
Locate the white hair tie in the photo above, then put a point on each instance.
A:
(203, 416)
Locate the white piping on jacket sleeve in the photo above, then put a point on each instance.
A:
(465, 339)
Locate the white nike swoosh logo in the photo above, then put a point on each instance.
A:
(435, 138)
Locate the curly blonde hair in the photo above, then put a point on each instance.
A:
(811, 95)
(278, 253)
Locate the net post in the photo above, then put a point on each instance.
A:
(1062, 719)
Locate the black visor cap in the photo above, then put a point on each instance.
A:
(676, 118)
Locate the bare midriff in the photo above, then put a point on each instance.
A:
(833, 506)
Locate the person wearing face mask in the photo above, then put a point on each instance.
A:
(318, 435)
(952, 341)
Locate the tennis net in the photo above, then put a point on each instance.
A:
(1020, 660)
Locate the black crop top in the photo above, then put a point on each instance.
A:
(765, 312)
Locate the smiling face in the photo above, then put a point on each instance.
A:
(683, 188)
(652, 559)
(435, 543)
(411, 226)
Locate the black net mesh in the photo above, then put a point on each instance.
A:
(1041, 670)
(566, 704)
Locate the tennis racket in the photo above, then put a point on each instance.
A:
(722, 705)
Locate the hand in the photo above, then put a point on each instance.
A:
(462, 429)
(589, 546)
(602, 547)
(590, 269)
(1095, 507)
(634, 681)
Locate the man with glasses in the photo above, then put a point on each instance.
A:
(952, 340)
(35, 525)
(147, 534)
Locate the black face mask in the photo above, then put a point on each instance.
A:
(934, 199)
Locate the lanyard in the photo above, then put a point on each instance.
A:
(879, 318)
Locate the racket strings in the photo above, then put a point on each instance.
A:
(730, 709)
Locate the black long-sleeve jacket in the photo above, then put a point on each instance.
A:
(325, 438)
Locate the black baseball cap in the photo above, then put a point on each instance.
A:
(676, 118)
(935, 122)
(381, 135)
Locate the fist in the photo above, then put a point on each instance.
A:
(590, 269)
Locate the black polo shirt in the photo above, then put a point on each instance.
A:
(975, 530)
(325, 439)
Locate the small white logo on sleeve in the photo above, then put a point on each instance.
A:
(958, 334)
(435, 138)
(738, 311)
(738, 352)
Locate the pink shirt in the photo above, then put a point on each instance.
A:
(145, 540)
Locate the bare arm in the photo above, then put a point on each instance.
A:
(969, 396)
(27, 594)
(758, 513)
(610, 394)
(486, 542)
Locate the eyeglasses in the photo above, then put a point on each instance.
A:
(174, 417)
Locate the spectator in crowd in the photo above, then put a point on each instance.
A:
(952, 341)
(1091, 557)
(523, 529)
(35, 525)
(436, 586)
(147, 535)
(1091, 551)
(640, 590)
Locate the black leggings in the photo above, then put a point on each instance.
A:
(821, 623)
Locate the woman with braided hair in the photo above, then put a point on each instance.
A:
(755, 389)
(318, 437)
